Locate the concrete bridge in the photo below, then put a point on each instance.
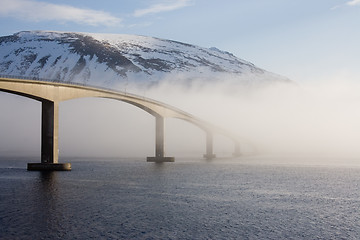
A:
(50, 93)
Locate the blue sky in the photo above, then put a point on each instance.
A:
(305, 40)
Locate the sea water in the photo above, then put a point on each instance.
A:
(188, 199)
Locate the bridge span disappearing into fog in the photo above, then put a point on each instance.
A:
(51, 92)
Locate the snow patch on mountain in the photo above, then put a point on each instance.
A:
(113, 60)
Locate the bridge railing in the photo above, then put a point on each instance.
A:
(74, 84)
(58, 81)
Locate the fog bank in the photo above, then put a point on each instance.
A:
(314, 119)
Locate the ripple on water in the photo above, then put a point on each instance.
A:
(132, 199)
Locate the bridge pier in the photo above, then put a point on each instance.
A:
(159, 143)
(49, 132)
(209, 146)
(49, 139)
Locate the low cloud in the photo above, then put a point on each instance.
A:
(162, 7)
(353, 3)
(37, 11)
(317, 121)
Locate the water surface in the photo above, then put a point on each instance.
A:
(188, 199)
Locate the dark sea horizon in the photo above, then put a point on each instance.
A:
(128, 198)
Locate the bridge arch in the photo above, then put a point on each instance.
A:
(51, 93)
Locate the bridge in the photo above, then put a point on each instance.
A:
(51, 92)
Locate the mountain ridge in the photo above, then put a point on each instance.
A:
(115, 59)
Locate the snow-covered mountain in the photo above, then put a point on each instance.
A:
(114, 59)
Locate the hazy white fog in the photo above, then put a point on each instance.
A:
(320, 119)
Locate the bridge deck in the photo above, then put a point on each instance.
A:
(51, 92)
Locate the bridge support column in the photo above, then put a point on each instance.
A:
(159, 143)
(209, 146)
(49, 132)
(49, 139)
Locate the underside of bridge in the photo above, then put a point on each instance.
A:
(50, 94)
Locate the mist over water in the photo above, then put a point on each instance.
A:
(319, 119)
(315, 119)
